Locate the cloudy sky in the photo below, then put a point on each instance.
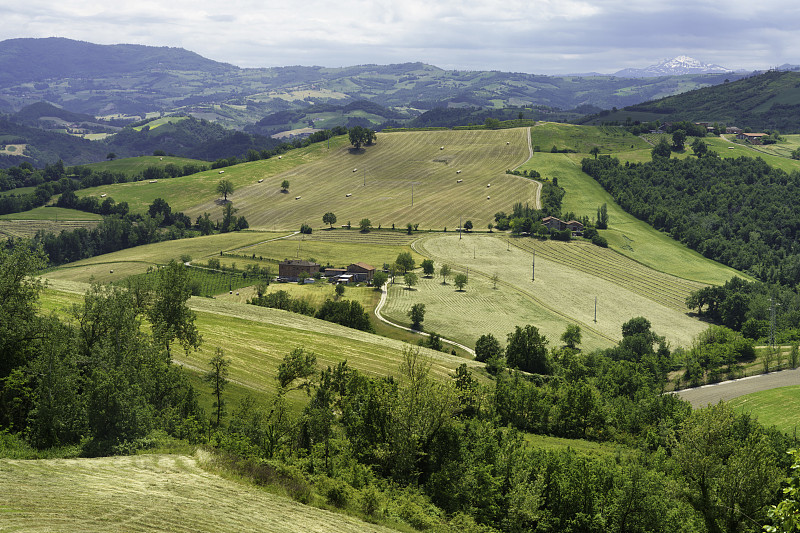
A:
(536, 36)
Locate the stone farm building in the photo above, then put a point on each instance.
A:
(292, 268)
(556, 224)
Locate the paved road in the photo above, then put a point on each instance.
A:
(727, 390)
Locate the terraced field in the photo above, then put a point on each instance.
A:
(379, 181)
(149, 493)
(562, 289)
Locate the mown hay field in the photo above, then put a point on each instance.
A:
(189, 191)
(338, 248)
(28, 228)
(379, 180)
(256, 339)
(149, 493)
(561, 287)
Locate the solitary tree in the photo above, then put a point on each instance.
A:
(379, 279)
(169, 316)
(527, 350)
(662, 149)
(495, 279)
(284, 185)
(417, 315)
(487, 347)
(111, 156)
(678, 139)
(427, 267)
(595, 151)
(699, 147)
(339, 290)
(410, 278)
(405, 261)
(444, 271)
(217, 377)
(571, 336)
(468, 225)
(329, 218)
(460, 281)
(225, 187)
(365, 225)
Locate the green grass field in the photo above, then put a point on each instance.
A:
(18, 191)
(160, 122)
(150, 493)
(626, 234)
(338, 248)
(608, 139)
(774, 407)
(53, 214)
(563, 290)
(136, 165)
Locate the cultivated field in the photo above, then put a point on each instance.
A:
(149, 493)
(379, 180)
(623, 289)
(338, 247)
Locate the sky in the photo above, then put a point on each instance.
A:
(533, 36)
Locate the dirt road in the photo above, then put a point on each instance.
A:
(727, 390)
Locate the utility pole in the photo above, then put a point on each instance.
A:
(459, 228)
(772, 322)
(412, 195)
(533, 272)
(365, 184)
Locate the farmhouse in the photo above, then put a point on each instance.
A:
(575, 227)
(554, 224)
(753, 138)
(292, 269)
(733, 129)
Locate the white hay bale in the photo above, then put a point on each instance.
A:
(459, 181)
(222, 172)
(348, 195)
(441, 148)
(280, 157)
(488, 197)
(261, 180)
(355, 169)
(488, 185)
(103, 195)
(296, 197)
(458, 172)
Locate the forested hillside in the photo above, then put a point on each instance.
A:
(768, 101)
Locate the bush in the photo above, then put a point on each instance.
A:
(599, 240)
(336, 492)
(305, 228)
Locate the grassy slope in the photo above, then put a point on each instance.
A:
(626, 234)
(136, 165)
(560, 295)
(149, 493)
(256, 339)
(137, 260)
(322, 177)
(778, 407)
(52, 213)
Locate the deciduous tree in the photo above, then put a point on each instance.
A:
(225, 187)
(417, 315)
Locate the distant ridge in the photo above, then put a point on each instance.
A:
(673, 67)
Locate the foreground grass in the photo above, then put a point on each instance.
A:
(774, 407)
(150, 493)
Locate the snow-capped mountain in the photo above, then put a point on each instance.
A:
(673, 67)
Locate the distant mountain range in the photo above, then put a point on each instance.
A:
(677, 66)
(132, 80)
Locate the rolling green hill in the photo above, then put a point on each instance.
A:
(767, 101)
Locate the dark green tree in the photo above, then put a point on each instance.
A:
(662, 149)
(699, 147)
(461, 281)
(526, 350)
(365, 225)
(427, 267)
(595, 151)
(410, 279)
(379, 279)
(487, 347)
(329, 218)
(417, 315)
(571, 336)
(217, 378)
(225, 187)
(169, 316)
(285, 186)
(678, 139)
(405, 261)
